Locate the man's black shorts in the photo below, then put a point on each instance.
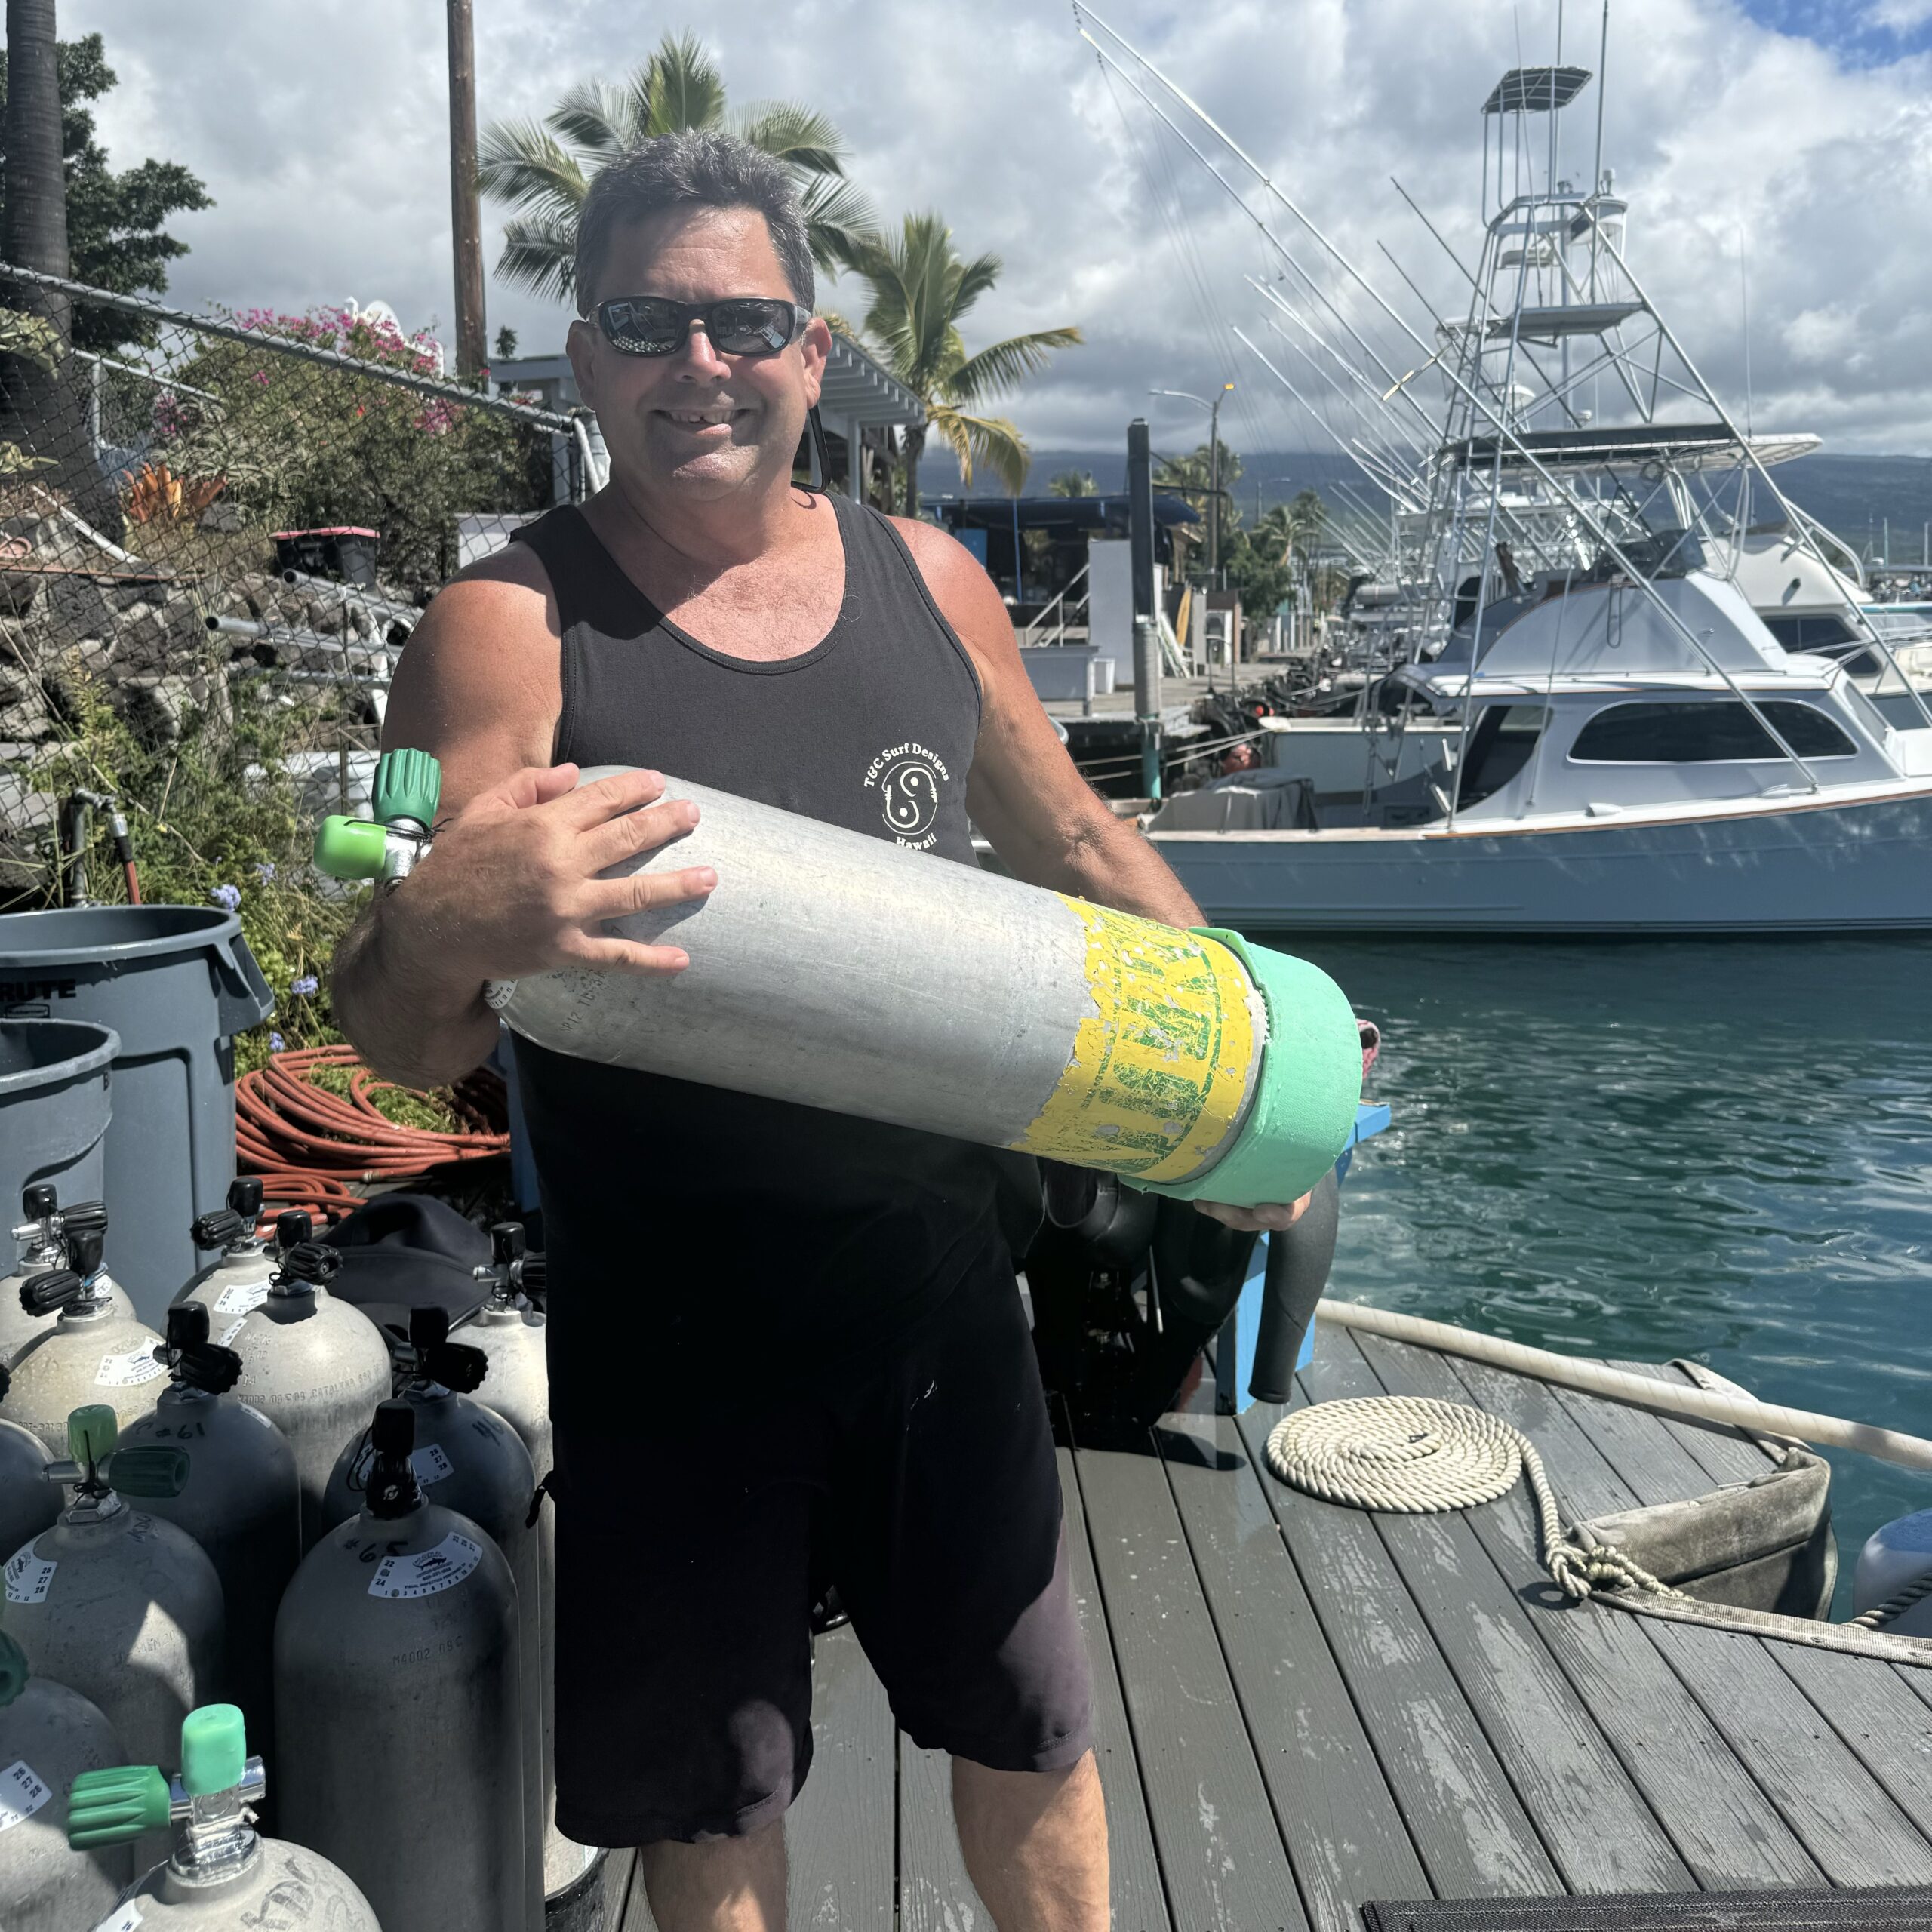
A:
(923, 1484)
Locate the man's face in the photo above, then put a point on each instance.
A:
(695, 422)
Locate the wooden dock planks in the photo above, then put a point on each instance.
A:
(1299, 1707)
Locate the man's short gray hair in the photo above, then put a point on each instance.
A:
(696, 170)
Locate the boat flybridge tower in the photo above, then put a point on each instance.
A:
(1576, 425)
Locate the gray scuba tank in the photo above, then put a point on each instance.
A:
(50, 1736)
(398, 1698)
(469, 1460)
(41, 1237)
(222, 1876)
(92, 1354)
(241, 1502)
(509, 1329)
(113, 1602)
(27, 1504)
(236, 1282)
(315, 1366)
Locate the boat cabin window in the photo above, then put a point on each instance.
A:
(1710, 731)
(1825, 633)
(1499, 747)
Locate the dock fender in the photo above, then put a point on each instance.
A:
(1766, 1544)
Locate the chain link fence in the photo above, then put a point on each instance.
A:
(214, 541)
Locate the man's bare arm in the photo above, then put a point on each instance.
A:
(511, 886)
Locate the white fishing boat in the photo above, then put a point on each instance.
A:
(1623, 720)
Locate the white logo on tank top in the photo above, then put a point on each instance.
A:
(909, 779)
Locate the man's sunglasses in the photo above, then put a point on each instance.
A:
(736, 324)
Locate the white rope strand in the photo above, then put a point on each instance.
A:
(1414, 1455)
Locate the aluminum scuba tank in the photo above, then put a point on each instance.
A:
(113, 1602)
(50, 1736)
(27, 1504)
(397, 1704)
(240, 1503)
(845, 971)
(42, 1233)
(222, 1876)
(236, 1283)
(509, 1329)
(473, 1462)
(314, 1366)
(90, 1355)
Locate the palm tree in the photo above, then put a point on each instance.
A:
(543, 171)
(921, 289)
(44, 401)
(1073, 483)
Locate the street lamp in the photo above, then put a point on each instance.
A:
(1214, 410)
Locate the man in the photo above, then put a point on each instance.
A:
(785, 1346)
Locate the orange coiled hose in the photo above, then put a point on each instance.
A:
(307, 1143)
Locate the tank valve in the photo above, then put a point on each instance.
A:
(391, 1490)
(193, 1360)
(78, 1286)
(206, 1802)
(425, 1355)
(305, 1266)
(100, 1474)
(45, 1230)
(510, 1270)
(232, 1228)
(409, 789)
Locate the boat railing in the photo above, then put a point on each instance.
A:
(1050, 627)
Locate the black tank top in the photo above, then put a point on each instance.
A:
(693, 1232)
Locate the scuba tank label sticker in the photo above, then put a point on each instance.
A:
(127, 1919)
(23, 1792)
(129, 1370)
(28, 1577)
(233, 1329)
(428, 1464)
(240, 1298)
(1159, 1073)
(428, 1571)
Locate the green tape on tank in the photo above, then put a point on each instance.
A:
(1303, 1110)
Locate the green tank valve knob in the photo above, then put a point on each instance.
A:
(112, 1807)
(13, 1671)
(214, 1750)
(349, 848)
(148, 1472)
(409, 784)
(91, 1432)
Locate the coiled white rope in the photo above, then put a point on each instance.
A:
(1415, 1455)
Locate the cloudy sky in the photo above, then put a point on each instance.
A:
(1798, 132)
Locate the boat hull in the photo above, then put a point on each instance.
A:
(1854, 866)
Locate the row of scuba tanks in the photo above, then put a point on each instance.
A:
(277, 1526)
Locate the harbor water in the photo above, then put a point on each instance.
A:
(1720, 1150)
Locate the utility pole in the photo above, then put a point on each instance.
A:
(1146, 618)
(1214, 482)
(465, 215)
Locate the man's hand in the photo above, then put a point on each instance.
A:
(1257, 1220)
(512, 885)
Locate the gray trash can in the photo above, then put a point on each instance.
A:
(53, 1108)
(177, 983)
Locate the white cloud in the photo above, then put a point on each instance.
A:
(319, 127)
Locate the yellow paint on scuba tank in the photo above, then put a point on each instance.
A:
(1161, 1070)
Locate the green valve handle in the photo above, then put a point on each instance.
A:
(409, 784)
(214, 1750)
(350, 848)
(91, 1433)
(112, 1806)
(150, 1472)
